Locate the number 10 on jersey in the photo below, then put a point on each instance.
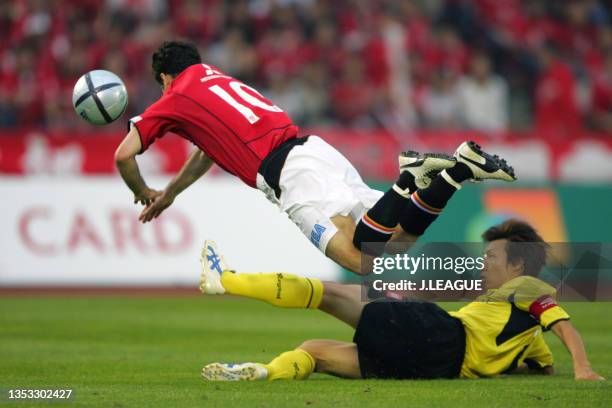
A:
(239, 90)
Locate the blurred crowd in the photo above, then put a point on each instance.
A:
(489, 65)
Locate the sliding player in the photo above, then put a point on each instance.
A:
(500, 332)
(233, 125)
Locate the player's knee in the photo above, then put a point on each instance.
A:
(343, 252)
(319, 350)
(333, 357)
(312, 347)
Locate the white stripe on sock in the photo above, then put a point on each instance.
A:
(450, 180)
(404, 193)
(374, 227)
(422, 208)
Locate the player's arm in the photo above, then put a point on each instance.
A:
(538, 358)
(524, 368)
(125, 159)
(195, 167)
(573, 342)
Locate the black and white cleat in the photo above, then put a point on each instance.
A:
(424, 167)
(483, 165)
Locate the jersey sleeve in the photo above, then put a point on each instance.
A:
(154, 122)
(539, 355)
(538, 299)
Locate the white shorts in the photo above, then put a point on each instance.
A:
(317, 183)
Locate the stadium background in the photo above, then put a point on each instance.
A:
(530, 80)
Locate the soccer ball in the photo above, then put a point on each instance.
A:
(99, 97)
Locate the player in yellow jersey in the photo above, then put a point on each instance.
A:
(500, 332)
(504, 327)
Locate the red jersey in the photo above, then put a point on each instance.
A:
(230, 121)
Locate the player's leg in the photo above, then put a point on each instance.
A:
(379, 223)
(340, 247)
(400, 242)
(344, 302)
(280, 289)
(296, 364)
(332, 236)
(425, 205)
(337, 358)
(320, 188)
(313, 193)
(323, 356)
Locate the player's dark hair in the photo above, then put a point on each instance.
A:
(524, 244)
(173, 57)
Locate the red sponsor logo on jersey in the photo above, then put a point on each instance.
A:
(541, 305)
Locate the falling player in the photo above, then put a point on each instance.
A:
(234, 126)
(498, 333)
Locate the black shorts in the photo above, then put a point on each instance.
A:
(409, 340)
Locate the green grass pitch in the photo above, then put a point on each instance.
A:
(148, 351)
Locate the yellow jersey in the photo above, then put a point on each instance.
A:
(504, 327)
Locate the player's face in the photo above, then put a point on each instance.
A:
(496, 269)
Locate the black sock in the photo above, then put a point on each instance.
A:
(414, 220)
(440, 190)
(378, 224)
(426, 204)
(460, 172)
(406, 182)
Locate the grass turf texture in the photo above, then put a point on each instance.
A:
(148, 351)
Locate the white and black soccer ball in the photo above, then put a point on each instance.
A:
(99, 97)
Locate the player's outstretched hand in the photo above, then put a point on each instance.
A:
(156, 207)
(147, 196)
(587, 374)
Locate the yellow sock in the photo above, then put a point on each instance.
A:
(279, 289)
(291, 365)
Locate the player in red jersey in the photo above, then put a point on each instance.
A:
(234, 126)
